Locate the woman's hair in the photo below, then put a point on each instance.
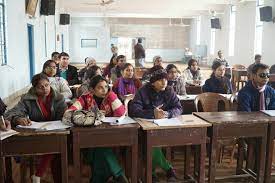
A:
(155, 58)
(125, 66)
(215, 65)
(91, 72)
(191, 61)
(95, 80)
(46, 64)
(119, 57)
(111, 64)
(171, 66)
(36, 78)
(258, 66)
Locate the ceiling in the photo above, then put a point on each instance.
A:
(145, 8)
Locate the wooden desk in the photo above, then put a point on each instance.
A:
(192, 132)
(236, 125)
(192, 90)
(105, 135)
(35, 143)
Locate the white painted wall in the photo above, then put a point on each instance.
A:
(15, 75)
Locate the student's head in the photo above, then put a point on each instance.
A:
(49, 68)
(64, 59)
(55, 56)
(258, 58)
(92, 71)
(172, 72)
(218, 69)
(113, 61)
(158, 78)
(127, 71)
(139, 40)
(41, 84)
(121, 60)
(90, 61)
(114, 49)
(260, 74)
(157, 60)
(99, 86)
(193, 64)
(220, 54)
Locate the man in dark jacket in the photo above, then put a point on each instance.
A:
(67, 71)
(257, 95)
(139, 54)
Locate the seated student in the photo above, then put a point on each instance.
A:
(175, 80)
(55, 56)
(41, 103)
(116, 71)
(192, 73)
(57, 83)
(109, 67)
(221, 59)
(127, 83)
(67, 71)
(4, 125)
(89, 61)
(89, 74)
(257, 95)
(217, 83)
(157, 60)
(257, 59)
(102, 160)
(156, 100)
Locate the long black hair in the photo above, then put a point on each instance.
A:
(95, 80)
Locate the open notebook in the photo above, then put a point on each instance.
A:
(123, 120)
(46, 126)
(164, 121)
(269, 112)
(6, 134)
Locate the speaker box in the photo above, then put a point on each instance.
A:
(64, 19)
(266, 14)
(47, 7)
(215, 23)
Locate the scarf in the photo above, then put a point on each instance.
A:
(194, 74)
(45, 106)
(126, 86)
(262, 97)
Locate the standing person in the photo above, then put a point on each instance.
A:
(40, 104)
(175, 80)
(67, 71)
(102, 160)
(218, 83)
(257, 60)
(156, 100)
(127, 83)
(57, 83)
(139, 54)
(55, 57)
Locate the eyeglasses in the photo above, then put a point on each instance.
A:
(264, 75)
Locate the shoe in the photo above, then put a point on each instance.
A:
(121, 179)
(171, 175)
(35, 179)
(155, 179)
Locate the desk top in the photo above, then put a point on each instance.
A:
(190, 121)
(192, 97)
(233, 117)
(104, 126)
(28, 132)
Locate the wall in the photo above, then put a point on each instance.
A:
(15, 75)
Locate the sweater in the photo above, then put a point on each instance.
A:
(215, 85)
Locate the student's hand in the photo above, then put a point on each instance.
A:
(159, 113)
(6, 127)
(23, 121)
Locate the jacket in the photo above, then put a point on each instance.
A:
(147, 98)
(72, 76)
(28, 107)
(249, 98)
(60, 85)
(216, 85)
(178, 85)
(139, 51)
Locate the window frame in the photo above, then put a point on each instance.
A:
(3, 44)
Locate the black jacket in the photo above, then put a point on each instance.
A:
(72, 76)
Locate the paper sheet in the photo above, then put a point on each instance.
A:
(48, 125)
(6, 134)
(119, 120)
(168, 122)
(269, 112)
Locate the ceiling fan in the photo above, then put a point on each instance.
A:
(101, 3)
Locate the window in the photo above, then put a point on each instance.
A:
(258, 29)
(198, 41)
(212, 43)
(232, 28)
(3, 52)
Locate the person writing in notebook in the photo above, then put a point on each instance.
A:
(4, 124)
(41, 103)
(156, 100)
(257, 95)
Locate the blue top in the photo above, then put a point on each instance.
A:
(215, 85)
(249, 98)
(63, 74)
